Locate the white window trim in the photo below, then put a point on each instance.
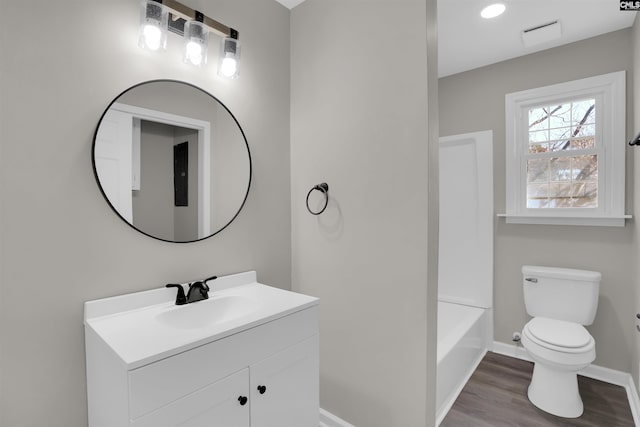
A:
(610, 92)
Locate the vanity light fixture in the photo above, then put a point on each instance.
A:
(196, 37)
(493, 10)
(153, 26)
(158, 15)
(229, 58)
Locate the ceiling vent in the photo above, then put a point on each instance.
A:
(541, 34)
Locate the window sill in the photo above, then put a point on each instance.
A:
(600, 221)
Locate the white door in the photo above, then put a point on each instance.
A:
(224, 403)
(113, 152)
(285, 387)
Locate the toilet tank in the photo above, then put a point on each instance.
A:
(561, 293)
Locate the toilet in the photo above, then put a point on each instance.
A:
(561, 301)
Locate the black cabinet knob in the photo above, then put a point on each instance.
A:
(638, 315)
(242, 400)
(262, 389)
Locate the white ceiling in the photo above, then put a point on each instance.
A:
(467, 41)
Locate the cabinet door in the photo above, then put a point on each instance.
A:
(216, 405)
(284, 387)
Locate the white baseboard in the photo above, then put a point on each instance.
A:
(327, 419)
(513, 350)
(611, 376)
(634, 401)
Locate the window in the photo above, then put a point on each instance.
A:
(565, 153)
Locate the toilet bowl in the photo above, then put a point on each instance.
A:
(561, 301)
(559, 350)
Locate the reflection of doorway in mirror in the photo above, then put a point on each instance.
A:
(113, 160)
(156, 208)
(187, 223)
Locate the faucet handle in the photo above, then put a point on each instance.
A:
(181, 299)
(203, 284)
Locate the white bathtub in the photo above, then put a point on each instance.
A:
(463, 336)
(465, 262)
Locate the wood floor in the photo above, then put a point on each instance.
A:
(496, 396)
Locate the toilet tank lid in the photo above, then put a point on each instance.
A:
(561, 273)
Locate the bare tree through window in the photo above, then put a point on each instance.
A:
(562, 169)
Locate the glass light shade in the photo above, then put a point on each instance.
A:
(229, 58)
(153, 26)
(196, 38)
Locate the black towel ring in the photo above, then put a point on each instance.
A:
(324, 188)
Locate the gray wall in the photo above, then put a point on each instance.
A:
(360, 122)
(474, 101)
(61, 244)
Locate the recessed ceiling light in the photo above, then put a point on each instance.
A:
(493, 10)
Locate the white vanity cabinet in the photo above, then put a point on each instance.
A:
(288, 379)
(259, 373)
(214, 405)
(280, 392)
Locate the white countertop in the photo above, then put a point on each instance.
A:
(129, 325)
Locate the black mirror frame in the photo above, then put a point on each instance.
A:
(95, 171)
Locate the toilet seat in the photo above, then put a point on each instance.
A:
(559, 335)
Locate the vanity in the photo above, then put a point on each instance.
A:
(247, 356)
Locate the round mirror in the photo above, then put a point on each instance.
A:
(172, 161)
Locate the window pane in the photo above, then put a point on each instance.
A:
(538, 170)
(585, 168)
(562, 182)
(564, 144)
(537, 195)
(560, 190)
(560, 134)
(538, 118)
(582, 143)
(585, 195)
(539, 136)
(585, 130)
(560, 169)
(560, 116)
(584, 111)
(538, 148)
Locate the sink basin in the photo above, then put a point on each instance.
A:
(144, 327)
(201, 314)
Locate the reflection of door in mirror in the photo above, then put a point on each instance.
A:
(154, 208)
(113, 160)
(135, 166)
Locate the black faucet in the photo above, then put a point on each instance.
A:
(180, 298)
(198, 291)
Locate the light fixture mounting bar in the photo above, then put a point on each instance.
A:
(185, 12)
